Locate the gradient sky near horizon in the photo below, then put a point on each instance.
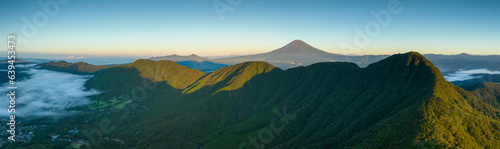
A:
(154, 28)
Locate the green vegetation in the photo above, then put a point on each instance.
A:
(76, 68)
(232, 77)
(122, 104)
(402, 101)
(103, 103)
(76, 145)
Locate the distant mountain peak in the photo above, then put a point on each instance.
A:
(298, 43)
(298, 46)
(178, 58)
(412, 65)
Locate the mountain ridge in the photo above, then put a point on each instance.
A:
(299, 53)
(77, 68)
(400, 101)
(231, 77)
(126, 77)
(177, 58)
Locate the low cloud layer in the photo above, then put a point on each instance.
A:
(47, 93)
(462, 75)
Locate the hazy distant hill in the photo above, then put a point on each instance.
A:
(125, 76)
(299, 53)
(76, 68)
(465, 61)
(27, 60)
(38, 61)
(296, 53)
(178, 58)
(17, 61)
(402, 101)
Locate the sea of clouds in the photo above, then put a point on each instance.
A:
(46, 93)
(463, 75)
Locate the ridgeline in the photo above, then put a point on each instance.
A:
(402, 101)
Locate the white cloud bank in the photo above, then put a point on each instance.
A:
(46, 93)
(462, 75)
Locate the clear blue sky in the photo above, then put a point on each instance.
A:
(152, 28)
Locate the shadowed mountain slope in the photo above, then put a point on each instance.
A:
(402, 101)
(124, 78)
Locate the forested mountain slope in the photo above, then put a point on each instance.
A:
(402, 101)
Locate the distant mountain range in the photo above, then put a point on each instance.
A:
(448, 63)
(178, 58)
(27, 60)
(299, 53)
(296, 53)
(401, 101)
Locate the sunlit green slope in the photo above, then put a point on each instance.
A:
(402, 101)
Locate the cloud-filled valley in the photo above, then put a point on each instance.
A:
(463, 75)
(47, 93)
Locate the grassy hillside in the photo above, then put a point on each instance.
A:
(231, 77)
(122, 79)
(402, 101)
